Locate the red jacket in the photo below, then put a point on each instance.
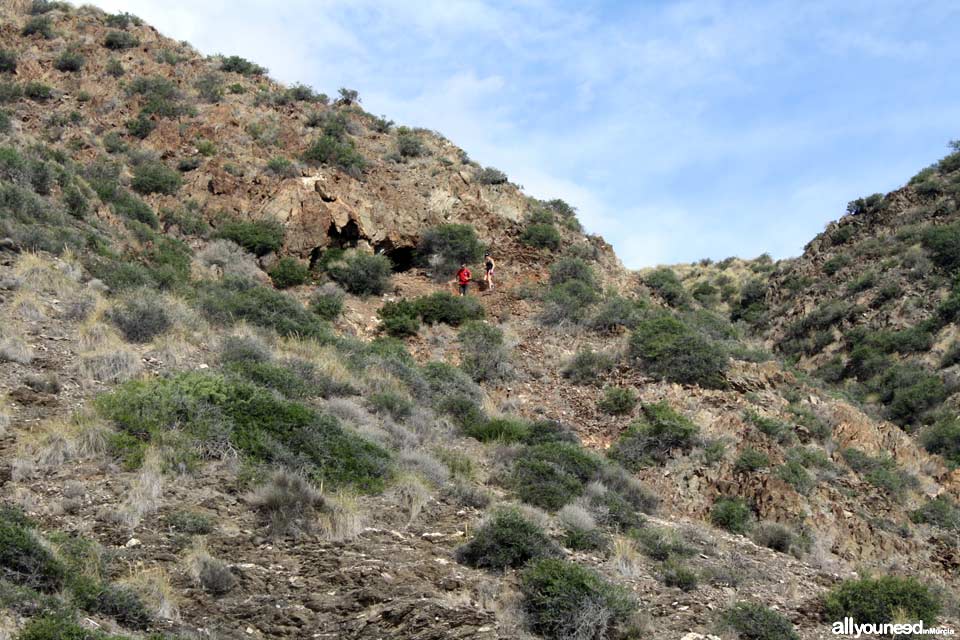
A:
(463, 276)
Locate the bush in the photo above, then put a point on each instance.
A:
(483, 354)
(617, 312)
(37, 91)
(751, 460)
(667, 348)
(668, 286)
(680, 576)
(882, 472)
(568, 269)
(395, 405)
(328, 149)
(771, 427)
(506, 539)
(883, 600)
(40, 25)
(58, 626)
(661, 543)
(617, 401)
(155, 177)
(774, 536)
(793, 473)
(119, 602)
(236, 64)
(551, 475)
(327, 302)
(409, 144)
(68, 61)
(652, 437)
(191, 522)
(8, 61)
(362, 274)
(282, 167)
(586, 366)
(753, 621)
(489, 175)
(943, 243)
(541, 236)
(732, 514)
(940, 512)
(289, 504)
(450, 245)
(289, 272)
(500, 429)
(141, 317)
(447, 308)
(943, 438)
(234, 300)
(120, 41)
(141, 126)
(568, 302)
(399, 318)
(215, 415)
(259, 237)
(24, 560)
(563, 600)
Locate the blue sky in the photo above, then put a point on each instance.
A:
(680, 130)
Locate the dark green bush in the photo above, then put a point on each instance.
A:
(771, 427)
(483, 353)
(119, 602)
(882, 600)
(8, 61)
(541, 236)
(141, 317)
(40, 25)
(155, 177)
(236, 64)
(796, 475)
(58, 626)
(507, 539)
(880, 471)
(569, 269)
(569, 302)
(732, 514)
(451, 245)
(499, 429)
(259, 237)
(24, 560)
(668, 286)
(753, 621)
(141, 126)
(289, 272)
(943, 243)
(668, 348)
(234, 300)
(291, 382)
(448, 309)
(399, 318)
(126, 205)
(616, 312)
(193, 523)
(69, 61)
(617, 400)
(362, 274)
(587, 365)
(159, 96)
(650, 439)
(564, 600)
(678, 575)
(751, 460)
(340, 153)
(37, 91)
(551, 475)
(327, 302)
(120, 41)
(282, 167)
(395, 405)
(908, 390)
(490, 175)
(211, 411)
(409, 144)
(774, 536)
(661, 543)
(943, 438)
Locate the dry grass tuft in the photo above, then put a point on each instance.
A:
(145, 491)
(626, 558)
(211, 574)
(342, 519)
(412, 494)
(13, 348)
(153, 586)
(289, 504)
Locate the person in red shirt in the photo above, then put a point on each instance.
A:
(463, 279)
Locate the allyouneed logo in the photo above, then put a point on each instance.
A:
(847, 627)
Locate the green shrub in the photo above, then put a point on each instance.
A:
(586, 366)
(399, 318)
(289, 272)
(652, 437)
(409, 144)
(68, 61)
(24, 560)
(668, 286)
(259, 237)
(753, 621)
(490, 175)
(395, 405)
(943, 438)
(193, 523)
(751, 460)
(58, 626)
(39, 25)
(661, 543)
(327, 302)
(732, 514)
(155, 177)
(236, 64)
(126, 205)
(37, 91)
(213, 412)
(159, 96)
(882, 600)
(616, 312)
(141, 126)
(141, 317)
(678, 575)
(234, 300)
(882, 471)
(774, 536)
(551, 475)
(328, 149)
(667, 348)
(771, 427)
(450, 245)
(562, 599)
(617, 400)
(115, 68)
(541, 236)
(795, 474)
(362, 274)
(120, 41)
(8, 61)
(483, 354)
(290, 381)
(447, 308)
(569, 302)
(940, 511)
(569, 269)
(943, 243)
(117, 601)
(499, 429)
(282, 167)
(507, 539)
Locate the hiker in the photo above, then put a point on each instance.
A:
(488, 265)
(463, 278)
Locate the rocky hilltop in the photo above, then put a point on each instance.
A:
(239, 400)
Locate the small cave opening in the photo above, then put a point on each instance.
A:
(403, 258)
(346, 237)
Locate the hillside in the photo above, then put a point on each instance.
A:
(237, 398)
